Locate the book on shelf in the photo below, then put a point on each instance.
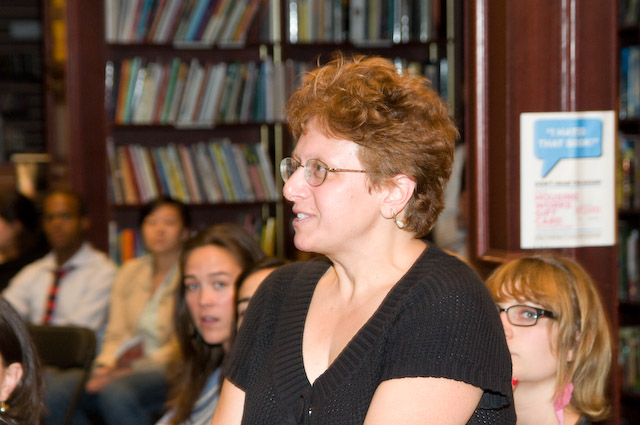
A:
(223, 172)
(247, 20)
(170, 90)
(629, 96)
(190, 177)
(629, 357)
(159, 171)
(192, 86)
(629, 11)
(628, 257)
(115, 181)
(266, 172)
(183, 20)
(628, 179)
(207, 173)
(124, 243)
(176, 173)
(268, 236)
(200, 12)
(128, 179)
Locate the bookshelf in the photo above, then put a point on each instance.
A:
(184, 78)
(191, 112)
(629, 207)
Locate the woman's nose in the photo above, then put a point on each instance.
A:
(295, 186)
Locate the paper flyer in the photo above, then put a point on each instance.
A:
(567, 179)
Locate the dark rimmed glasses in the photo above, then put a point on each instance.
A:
(315, 171)
(524, 315)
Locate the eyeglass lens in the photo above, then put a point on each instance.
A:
(315, 172)
(522, 315)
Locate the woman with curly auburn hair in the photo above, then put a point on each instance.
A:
(559, 338)
(390, 329)
(21, 380)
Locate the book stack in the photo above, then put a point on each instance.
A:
(191, 93)
(225, 23)
(211, 172)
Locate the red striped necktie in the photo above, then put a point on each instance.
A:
(50, 307)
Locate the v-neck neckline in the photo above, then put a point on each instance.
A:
(291, 368)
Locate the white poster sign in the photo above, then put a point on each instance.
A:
(567, 179)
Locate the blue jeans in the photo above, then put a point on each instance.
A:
(136, 399)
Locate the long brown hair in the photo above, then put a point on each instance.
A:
(25, 402)
(197, 359)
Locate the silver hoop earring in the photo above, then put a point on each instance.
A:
(396, 220)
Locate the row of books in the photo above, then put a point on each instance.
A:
(24, 66)
(628, 179)
(206, 22)
(629, 82)
(629, 12)
(628, 261)
(211, 172)
(188, 92)
(126, 243)
(629, 357)
(364, 21)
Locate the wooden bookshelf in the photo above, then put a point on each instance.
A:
(629, 206)
(22, 85)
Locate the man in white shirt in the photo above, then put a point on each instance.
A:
(71, 285)
(82, 295)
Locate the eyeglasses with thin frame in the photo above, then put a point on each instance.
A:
(524, 315)
(315, 171)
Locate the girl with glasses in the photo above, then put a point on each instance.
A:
(559, 339)
(389, 330)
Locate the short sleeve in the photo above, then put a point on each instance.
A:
(449, 328)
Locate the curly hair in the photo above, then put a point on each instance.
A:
(401, 125)
(562, 286)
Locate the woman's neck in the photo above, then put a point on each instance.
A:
(534, 403)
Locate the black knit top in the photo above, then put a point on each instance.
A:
(438, 321)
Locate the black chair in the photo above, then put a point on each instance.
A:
(66, 348)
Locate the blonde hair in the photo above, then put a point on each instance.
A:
(583, 343)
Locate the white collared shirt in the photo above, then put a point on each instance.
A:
(83, 294)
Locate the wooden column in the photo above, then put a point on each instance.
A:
(85, 101)
(531, 56)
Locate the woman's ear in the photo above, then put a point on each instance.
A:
(399, 191)
(12, 376)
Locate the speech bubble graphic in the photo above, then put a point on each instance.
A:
(566, 138)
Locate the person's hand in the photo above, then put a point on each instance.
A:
(100, 378)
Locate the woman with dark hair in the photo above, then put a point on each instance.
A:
(205, 318)
(249, 281)
(128, 384)
(22, 240)
(20, 376)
